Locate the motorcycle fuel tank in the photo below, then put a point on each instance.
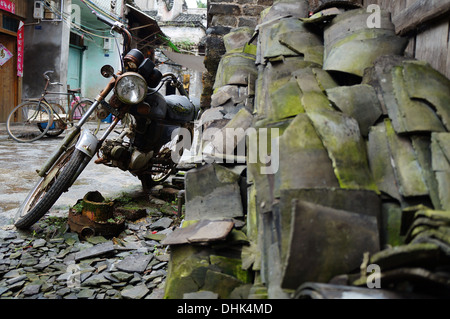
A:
(158, 105)
(179, 108)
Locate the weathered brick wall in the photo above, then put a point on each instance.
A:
(236, 13)
(222, 17)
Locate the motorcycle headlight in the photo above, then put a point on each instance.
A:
(131, 88)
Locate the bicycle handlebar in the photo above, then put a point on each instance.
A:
(46, 76)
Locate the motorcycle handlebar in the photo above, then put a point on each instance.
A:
(176, 83)
(103, 19)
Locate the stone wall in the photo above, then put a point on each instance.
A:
(355, 167)
(222, 17)
(236, 13)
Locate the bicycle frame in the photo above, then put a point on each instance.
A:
(46, 92)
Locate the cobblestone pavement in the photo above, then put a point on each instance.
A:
(48, 261)
(19, 162)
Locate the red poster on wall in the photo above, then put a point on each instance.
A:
(7, 6)
(20, 49)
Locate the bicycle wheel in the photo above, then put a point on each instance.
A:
(93, 122)
(59, 121)
(29, 121)
(49, 188)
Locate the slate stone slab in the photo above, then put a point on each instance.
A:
(325, 242)
(424, 82)
(161, 223)
(288, 37)
(235, 68)
(237, 38)
(281, 9)
(39, 243)
(423, 147)
(424, 254)
(440, 159)
(355, 201)
(94, 251)
(231, 135)
(351, 46)
(355, 56)
(95, 280)
(134, 263)
(341, 137)
(203, 231)
(354, 21)
(414, 115)
(380, 162)
(212, 191)
(407, 168)
(201, 295)
(136, 292)
(358, 101)
(4, 234)
(303, 149)
(31, 289)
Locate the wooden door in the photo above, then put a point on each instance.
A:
(8, 78)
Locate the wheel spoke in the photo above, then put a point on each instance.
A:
(29, 121)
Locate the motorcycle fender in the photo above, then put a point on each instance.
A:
(87, 143)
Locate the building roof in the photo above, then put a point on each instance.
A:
(181, 20)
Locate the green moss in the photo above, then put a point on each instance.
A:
(224, 175)
(186, 272)
(286, 101)
(232, 267)
(78, 207)
(341, 137)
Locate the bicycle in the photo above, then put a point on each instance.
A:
(34, 118)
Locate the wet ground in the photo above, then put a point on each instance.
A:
(19, 162)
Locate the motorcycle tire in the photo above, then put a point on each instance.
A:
(165, 167)
(151, 179)
(49, 188)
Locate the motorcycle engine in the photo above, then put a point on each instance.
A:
(121, 155)
(116, 154)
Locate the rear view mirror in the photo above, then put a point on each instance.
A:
(107, 71)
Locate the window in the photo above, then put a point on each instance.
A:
(10, 24)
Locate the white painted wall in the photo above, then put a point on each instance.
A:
(178, 34)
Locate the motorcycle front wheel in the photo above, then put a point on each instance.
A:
(49, 188)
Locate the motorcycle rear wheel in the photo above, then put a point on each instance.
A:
(159, 174)
(163, 165)
(49, 188)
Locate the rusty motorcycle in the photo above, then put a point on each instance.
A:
(146, 145)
